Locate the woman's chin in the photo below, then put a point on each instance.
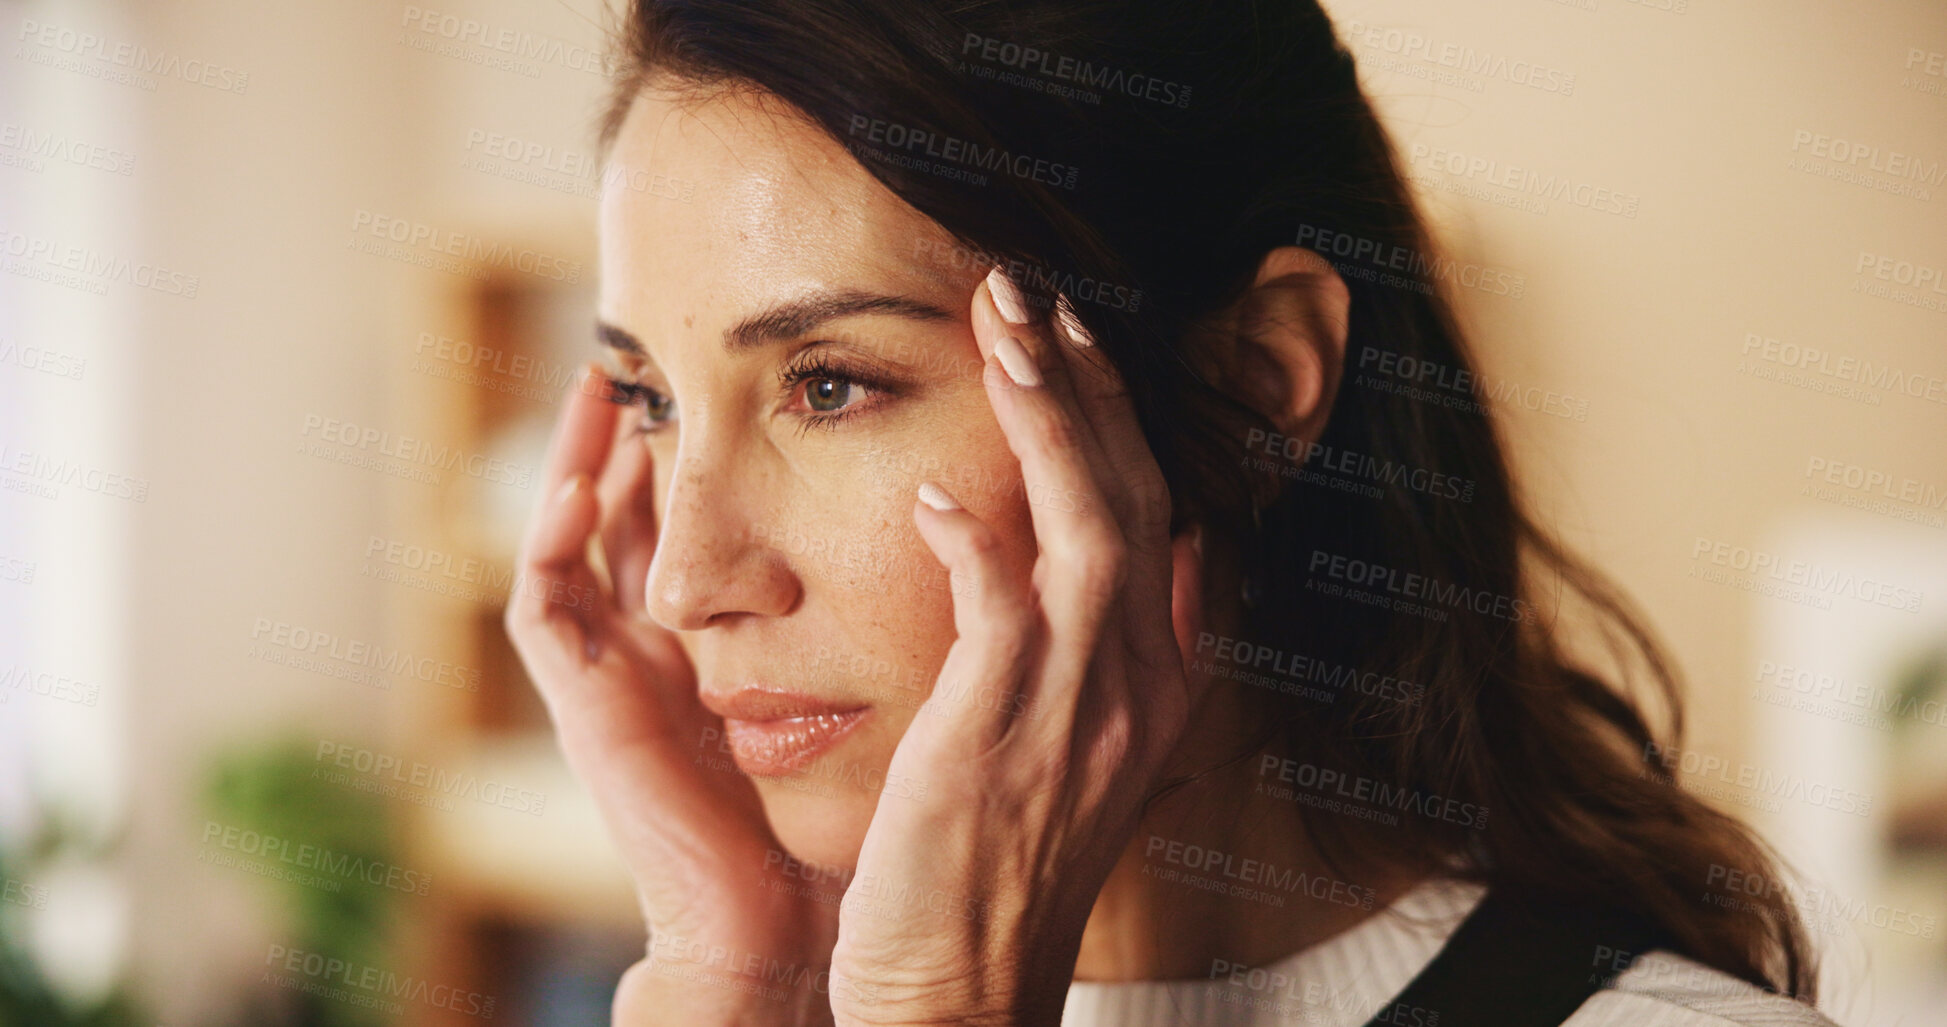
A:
(823, 825)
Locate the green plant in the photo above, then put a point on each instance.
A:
(278, 789)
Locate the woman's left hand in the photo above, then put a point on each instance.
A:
(1057, 705)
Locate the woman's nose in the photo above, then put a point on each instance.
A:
(711, 563)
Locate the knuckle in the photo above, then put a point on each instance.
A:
(1119, 735)
(1101, 567)
(982, 544)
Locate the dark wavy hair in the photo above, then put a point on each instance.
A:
(1144, 156)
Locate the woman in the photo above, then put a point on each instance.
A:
(1036, 593)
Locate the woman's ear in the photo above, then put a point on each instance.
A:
(1290, 332)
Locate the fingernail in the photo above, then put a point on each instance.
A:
(1196, 540)
(569, 488)
(936, 497)
(1016, 362)
(1007, 298)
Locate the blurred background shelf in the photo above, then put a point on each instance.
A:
(557, 867)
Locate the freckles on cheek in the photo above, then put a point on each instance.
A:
(864, 544)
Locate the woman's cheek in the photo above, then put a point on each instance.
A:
(892, 596)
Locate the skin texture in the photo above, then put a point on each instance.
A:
(745, 542)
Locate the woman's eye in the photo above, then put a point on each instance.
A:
(828, 395)
(823, 392)
(657, 407)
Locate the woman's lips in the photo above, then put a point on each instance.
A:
(773, 733)
(771, 748)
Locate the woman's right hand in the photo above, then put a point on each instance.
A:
(622, 694)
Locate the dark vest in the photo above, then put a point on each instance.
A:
(1514, 963)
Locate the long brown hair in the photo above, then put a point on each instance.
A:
(1143, 157)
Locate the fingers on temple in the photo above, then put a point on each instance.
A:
(627, 492)
(583, 433)
(554, 554)
(1106, 405)
(1062, 465)
(548, 614)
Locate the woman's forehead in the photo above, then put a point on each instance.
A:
(746, 201)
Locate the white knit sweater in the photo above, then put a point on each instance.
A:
(1344, 980)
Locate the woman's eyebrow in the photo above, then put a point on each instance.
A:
(791, 319)
(616, 337)
(795, 318)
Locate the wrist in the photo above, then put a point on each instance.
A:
(660, 992)
(1014, 997)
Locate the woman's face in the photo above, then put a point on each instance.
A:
(807, 339)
